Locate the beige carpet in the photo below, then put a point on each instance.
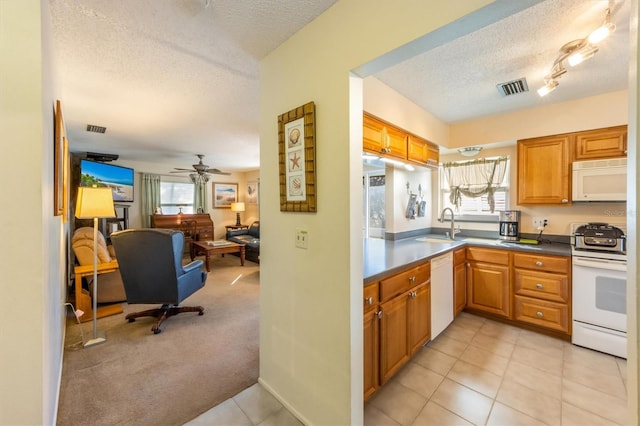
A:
(196, 362)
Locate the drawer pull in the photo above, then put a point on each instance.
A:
(538, 286)
(412, 280)
(538, 263)
(539, 314)
(369, 300)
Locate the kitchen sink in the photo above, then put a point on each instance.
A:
(481, 240)
(434, 240)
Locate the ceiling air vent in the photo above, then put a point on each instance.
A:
(513, 87)
(96, 129)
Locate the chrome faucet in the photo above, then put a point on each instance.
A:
(451, 235)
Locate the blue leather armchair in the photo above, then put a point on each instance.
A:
(151, 267)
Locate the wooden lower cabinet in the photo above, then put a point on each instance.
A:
(419, 317)
(371, 342)
(488, 287)
(397, 326)
(394, 336)
(459, 280)
(542, 291)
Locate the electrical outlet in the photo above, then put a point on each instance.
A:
(302, 238)
(540, 223)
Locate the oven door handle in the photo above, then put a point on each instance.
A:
(600, 263)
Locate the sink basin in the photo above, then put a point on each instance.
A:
(434, 240)
(481, 240)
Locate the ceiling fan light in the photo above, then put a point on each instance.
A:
(547, 88)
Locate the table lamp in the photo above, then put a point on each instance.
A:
(94, 203)
(237, 207)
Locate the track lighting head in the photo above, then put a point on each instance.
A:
(575, 52)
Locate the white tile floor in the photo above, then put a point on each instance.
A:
(478, 372)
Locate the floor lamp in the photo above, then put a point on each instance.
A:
(94, 203)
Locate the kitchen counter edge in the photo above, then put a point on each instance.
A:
(383, 258)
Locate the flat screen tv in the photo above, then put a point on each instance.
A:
(119, 179)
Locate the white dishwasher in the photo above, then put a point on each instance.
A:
(441, 293)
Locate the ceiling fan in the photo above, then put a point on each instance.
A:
(200, 170)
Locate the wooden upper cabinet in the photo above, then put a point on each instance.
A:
(382, 138)
(422, 152)
(609, 142)
(544, 166)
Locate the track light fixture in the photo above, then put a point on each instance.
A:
(577, 51)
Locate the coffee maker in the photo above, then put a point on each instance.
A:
(509, 221)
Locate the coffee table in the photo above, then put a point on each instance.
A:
(209, 247)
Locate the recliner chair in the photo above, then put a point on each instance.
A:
(110, 288)
(152, 272)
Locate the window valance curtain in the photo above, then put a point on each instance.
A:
(150, 197)
(475, 178)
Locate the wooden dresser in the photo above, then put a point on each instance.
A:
(197, 227)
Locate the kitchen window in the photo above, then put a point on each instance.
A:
(176, 197)
(476, 209)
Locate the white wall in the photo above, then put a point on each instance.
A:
(33, 242)
(311, 300)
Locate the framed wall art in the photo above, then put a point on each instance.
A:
(297, 159)
(58, 162)
(253, 195)
(224, 194)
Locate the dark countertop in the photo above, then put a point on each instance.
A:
(387, 257)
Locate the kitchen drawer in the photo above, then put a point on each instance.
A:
(370, 294)
(551, 315)
(500, 257)
(560, 264)
(404, 281)
(554, 287)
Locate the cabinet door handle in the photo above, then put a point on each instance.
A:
(412, 295)
(565, 201)
(369, 300)
(539, 314)
(538, 286)
(379, 314)
(539, 263)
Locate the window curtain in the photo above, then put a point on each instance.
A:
(150, 197)
(475, 178)
(199, 196)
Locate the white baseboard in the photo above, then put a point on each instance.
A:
(288, 406)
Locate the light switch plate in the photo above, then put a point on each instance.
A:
(302, 238)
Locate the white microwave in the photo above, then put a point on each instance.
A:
(600, 180)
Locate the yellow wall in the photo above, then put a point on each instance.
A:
(33, 240)
(311, 310)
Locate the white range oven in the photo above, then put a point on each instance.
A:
(599, 290)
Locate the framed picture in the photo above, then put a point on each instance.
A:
(58, 162)
(252, 196)
(224, 194)
(297, 159)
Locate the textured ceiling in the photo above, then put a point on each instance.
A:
(457, 81)
(169, 79)
(174, 78)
